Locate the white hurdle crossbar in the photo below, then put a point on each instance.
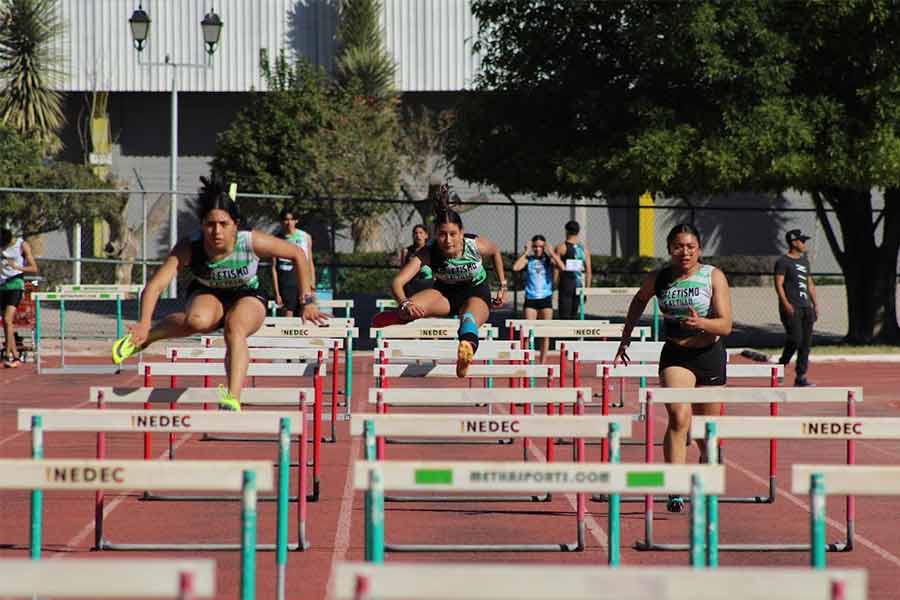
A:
(504, 581)
(377, 476)
(175, 398)
(732, 395)
(130, 475)
(93, 578)
(41, 421)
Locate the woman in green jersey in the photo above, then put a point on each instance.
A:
(225, 290)
(454, 260)
(287, 295)
(696, 305)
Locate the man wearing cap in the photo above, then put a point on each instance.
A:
(796, 303)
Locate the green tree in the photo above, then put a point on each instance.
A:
(34, 213)
(30, 71)
(600, 98)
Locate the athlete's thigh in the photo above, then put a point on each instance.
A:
(204, 311)
(678, 377)
(434, 303)
(245, 316)
(531, 314)
(546, 313)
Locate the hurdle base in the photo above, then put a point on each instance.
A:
(88, 369)
(830, 547)
(450, 441)
(544, 498)
(687, 499)
(148, 497)
(572, 547)
(117, 547)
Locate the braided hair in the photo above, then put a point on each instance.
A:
(213, 195)
(443, 214)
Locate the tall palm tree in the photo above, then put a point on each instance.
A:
(30, 70)
(362, 61)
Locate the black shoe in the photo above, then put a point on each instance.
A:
(803, 382)
(675, 504)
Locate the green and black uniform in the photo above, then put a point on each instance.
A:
(230, 278)
(284, 267)
(676, 297)
(457, 279)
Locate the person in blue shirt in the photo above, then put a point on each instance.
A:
(538, 261)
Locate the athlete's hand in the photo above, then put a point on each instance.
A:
(413, 311)
(278, 300)
(693, 320)
(311, 313)
(139, 333)
(622, 355)
(499, 297)
(789, 310)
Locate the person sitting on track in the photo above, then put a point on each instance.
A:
(539, 262)
(696, 305)
(454, 260)
(225, 290)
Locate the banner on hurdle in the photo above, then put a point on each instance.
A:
(446, 328)
(478, 396)
(218, 353)
(504, 581)
(100, 578)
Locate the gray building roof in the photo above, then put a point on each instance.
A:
(430, 40)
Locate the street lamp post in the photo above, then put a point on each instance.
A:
(211, 25)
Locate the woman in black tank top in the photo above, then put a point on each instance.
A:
(420, 240)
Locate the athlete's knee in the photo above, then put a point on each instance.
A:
(234, 330)
(199, 322)
(680, 421)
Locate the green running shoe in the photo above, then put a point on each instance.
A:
(227, 401)
(122, 348)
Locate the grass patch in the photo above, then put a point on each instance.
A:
(838, 349)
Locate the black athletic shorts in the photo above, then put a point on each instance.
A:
(707, 364)
(539, 303)
(10, 298)
(229, 296)
(457, 294)
(290, 297)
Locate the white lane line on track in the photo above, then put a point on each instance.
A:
(88, 529)
(19, 434)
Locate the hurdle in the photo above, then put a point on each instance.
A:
(476, 397)
(309, 338)
(580, 478)
(382, 304)
(429, 329)
(503, 581)
(40, 474)
(135, 578)
(821, 480)
(811, 428)
(622, 292)
(106, 294)
(173, 397)
(345, 305)
(772, 373)
(41, 421)
(733, 395)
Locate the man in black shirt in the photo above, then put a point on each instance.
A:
(796, 303)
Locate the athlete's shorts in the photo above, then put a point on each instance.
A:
(228, 297)
(10, 298)
(539, 303)
(707, 364)
(457, 294)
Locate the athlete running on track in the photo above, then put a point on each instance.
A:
(455, 261)
(225, 290)
(696, 304)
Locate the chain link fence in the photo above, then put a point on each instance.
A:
(358, 243)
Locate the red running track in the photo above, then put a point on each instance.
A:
(334, 526)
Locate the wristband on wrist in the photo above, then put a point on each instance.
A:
(502, 284)
(405, 303)
(308, 298)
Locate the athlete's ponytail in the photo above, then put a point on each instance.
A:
(214, 196)
(443, 214)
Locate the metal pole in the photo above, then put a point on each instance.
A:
(76, 254)
(173, 174)
(37, 495)
(817, 520)
(515, 251)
